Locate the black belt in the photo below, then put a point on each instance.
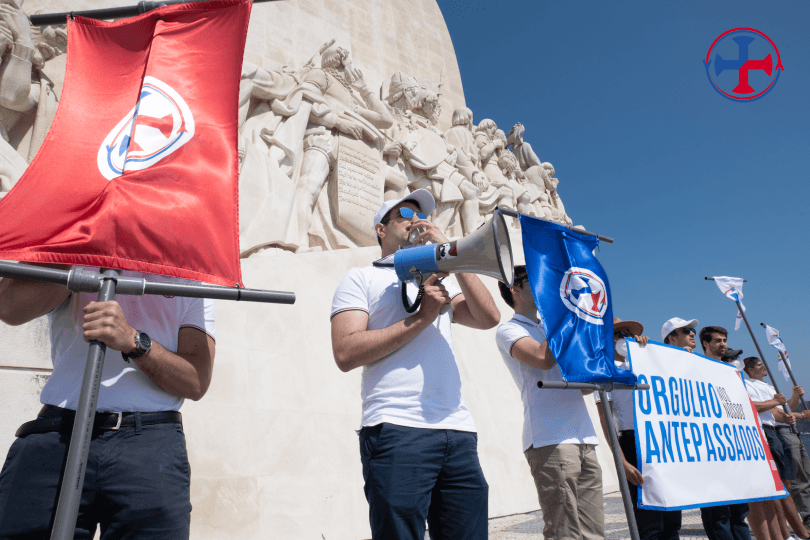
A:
(766, 426)
(52, 418)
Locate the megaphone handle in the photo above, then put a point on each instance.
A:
(445, 309)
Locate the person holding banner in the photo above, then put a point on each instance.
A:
(724, 520)
(680, 333)
(768, 404)
(137, 478)
(558, 435)
(652, 524)
(418, 442)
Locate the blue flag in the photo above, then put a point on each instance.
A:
(572, 294)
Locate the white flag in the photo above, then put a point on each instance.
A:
(777, 343)
(732, 287)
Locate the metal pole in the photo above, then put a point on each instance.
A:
(617, 459)
(108, 13)
(67, 508)
(512, 213)
(762, 357)
(790, 371)
(609, 386)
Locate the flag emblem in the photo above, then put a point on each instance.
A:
(158, 125)
(584, 293)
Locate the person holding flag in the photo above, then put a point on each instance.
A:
(559, 440)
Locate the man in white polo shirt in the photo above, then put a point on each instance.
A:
(418, 441)
(680, 333)
(558, 435)
(160, 350)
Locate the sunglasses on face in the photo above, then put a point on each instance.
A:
(684, 331)
(408, 213)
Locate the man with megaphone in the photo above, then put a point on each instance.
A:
(418, 441)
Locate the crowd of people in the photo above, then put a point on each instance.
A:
(418, 441)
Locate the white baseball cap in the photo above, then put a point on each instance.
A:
(675, 323)
(422, 197)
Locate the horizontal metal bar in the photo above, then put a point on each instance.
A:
(512, 213)
(46, 19)
(83, 280)
(712, 279)
(608, 386)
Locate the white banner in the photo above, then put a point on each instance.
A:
(698, 439)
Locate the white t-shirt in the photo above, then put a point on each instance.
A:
(419, 384)
(124, 387)
(762, 391)
(549, 416)
(622, 404)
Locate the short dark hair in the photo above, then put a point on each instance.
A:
(706, 334)
(520, 276)
(750, 362)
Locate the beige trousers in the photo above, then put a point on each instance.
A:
(569, 485)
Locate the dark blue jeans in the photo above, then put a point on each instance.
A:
(413, 475)
(726, 522)
(136, 485)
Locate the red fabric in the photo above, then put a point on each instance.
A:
(178, 217)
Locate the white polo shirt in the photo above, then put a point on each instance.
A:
(419, 384)
(762, 391)
(622, 404)
(549, 416)
(124, 387)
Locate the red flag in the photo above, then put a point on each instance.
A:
(139, 170)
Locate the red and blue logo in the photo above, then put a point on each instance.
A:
(158, 125)
(743, 64)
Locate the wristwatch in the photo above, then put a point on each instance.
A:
(143, 343)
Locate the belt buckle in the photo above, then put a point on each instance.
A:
(118, 423)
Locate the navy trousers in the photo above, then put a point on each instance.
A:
(415, 475)
(136, 485)
(726, 522)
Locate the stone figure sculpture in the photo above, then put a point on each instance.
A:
(500, 191)
(27, 98)
(420, 157)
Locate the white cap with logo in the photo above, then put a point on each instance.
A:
(422, 197)
(675, 323)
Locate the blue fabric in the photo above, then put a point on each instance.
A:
(136, 485)
(572, 294)
(413, 475)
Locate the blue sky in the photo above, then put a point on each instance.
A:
(690, 184)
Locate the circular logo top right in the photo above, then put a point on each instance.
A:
(743, 64)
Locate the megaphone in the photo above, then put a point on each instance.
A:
(486, 251)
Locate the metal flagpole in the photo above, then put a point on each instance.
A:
(67, 508)
(109, 13)
(789, 370)
(613, 440)
(107, 283)
(761, 356)
(617, 459)
(512, 213)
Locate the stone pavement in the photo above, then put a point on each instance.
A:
(526, 526)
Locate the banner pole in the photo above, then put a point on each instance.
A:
(762, 357)
(46, 19)
(789, 370)
(67, 508)
(617, 459)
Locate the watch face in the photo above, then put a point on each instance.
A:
(144, 341)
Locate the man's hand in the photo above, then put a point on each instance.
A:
(430, 233)
(394, 149)
(642, 340)
(780, 399)
(798, 391)
(434, 297)
(105, 322)
(688, 349)
(358, 81)
(633, 476)
(349, 127)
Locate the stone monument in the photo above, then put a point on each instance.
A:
(342, 105)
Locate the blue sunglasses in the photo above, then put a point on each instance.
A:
(408, 213)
